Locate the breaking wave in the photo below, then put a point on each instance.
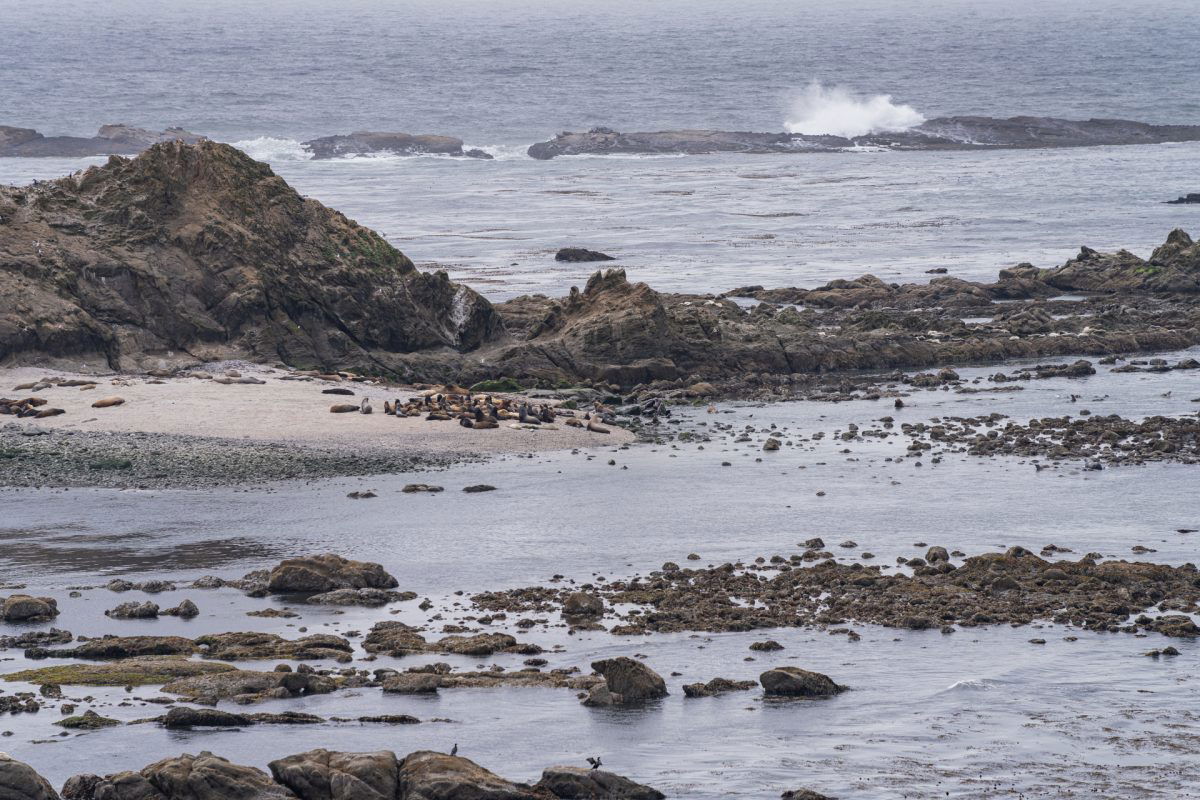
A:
(270, 148)
(840, 112)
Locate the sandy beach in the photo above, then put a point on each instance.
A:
(291, 411)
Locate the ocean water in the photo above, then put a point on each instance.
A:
(502, 75)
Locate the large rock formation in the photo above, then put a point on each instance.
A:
(185, 777)
(109, 140)
(400, 144)
(943, 133)
(196, 251)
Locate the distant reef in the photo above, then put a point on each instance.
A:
(943, 133)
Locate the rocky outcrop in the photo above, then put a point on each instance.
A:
(19, 781)
(1187, 199)
(24, 608)
(426, 775)
(326, 573)
(1173, 267)
(192, 252)
(113, 647)
(577, 783)
(943, 133)
(109, 140)
(365, 143)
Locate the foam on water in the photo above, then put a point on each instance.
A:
(841, 112)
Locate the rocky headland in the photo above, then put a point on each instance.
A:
(193, 253)
(942, 133)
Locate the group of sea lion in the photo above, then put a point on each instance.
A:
(480, 412)
(28, 407)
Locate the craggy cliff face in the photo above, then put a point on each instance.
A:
(197, 251)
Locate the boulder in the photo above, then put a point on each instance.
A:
(632, 680)
(425, 775)
(796, 682)
(24, 608)
(326, 775)
(325, 573)
(577, 783)
(133, 610)
(19, 781)
(189, 777)
(369, 598)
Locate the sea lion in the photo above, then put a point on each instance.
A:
(573, 422)
(596, 427)
(365, 406)
(343, 408)
(337, 390)
(546, 414)
(388, 409)
(49, 412)
(485, 424)
(466, 422)
(108, 402)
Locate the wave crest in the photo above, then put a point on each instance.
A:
(840, 112)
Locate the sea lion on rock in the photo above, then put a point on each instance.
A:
(108, 402)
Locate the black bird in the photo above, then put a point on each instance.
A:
(454, 750)
(595, 762)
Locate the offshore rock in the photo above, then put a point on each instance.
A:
(400, 144)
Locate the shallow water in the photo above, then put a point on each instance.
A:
(975, 714)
